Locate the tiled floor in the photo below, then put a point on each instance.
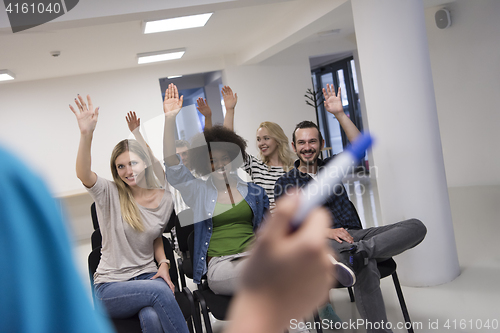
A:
(466, 304)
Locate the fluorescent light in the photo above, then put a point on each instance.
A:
(6, 75)
(145, 58)
(177, 23)
(173, 77)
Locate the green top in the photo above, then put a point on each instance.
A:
(233, 229)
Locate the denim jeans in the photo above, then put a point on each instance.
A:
(151, 299)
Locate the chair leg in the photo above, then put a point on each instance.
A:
(404, 309)
(204, 310)
(351, 294)
(317, 322)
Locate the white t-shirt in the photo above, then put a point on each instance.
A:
(126, 252)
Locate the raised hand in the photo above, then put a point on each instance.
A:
(230, 99)
(86, 116)
(172, 103)
(132, 121)
(203, 107)
(333, 103)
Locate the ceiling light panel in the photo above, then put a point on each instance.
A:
(6, 75)
(177, 23)
(146, 58)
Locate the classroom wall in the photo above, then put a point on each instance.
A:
(37, 124)
(466, 72)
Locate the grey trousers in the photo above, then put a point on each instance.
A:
(224, 273)
(380, 243)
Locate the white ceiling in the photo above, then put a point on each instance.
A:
(100, 35)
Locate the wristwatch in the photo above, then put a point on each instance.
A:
(162, 261)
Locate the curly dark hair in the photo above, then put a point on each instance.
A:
(219, 138)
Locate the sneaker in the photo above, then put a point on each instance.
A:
(356, 260)
(352, 263)
(329, 314)
(343, 274)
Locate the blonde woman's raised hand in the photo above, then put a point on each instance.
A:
(172, 104)
(230, 99)
(132, 121)
(333, 102)
(86, 116)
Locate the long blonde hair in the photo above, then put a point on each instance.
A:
(285, 154)
(130, 211)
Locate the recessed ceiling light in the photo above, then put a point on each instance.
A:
(177, 23)
(173, 77)
(146, 58)
(6, 75)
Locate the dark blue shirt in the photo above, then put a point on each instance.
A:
(343, 211)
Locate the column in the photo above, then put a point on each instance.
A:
(402, 116)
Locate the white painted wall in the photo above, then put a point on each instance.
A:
(269, 93)
(37, 124)
(466, 72)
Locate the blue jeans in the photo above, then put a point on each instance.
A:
(151, 299)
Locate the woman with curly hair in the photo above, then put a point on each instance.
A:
(227, 210)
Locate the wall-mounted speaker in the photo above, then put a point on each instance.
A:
(443, 19)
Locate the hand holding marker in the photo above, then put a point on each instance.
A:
(329, 177)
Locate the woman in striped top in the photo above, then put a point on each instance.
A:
(275, 156)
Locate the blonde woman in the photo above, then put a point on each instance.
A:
(133, 211)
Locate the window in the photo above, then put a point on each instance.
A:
(343, 73)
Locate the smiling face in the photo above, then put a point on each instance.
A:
(307, 145)
(220, 162)
(130, 168)
(266, 144)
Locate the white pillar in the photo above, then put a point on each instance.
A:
(401, 114)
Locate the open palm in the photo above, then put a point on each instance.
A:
(172, 103)
(333, 103)
(86, 116)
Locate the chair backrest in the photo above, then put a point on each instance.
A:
(169, 252)
(183, 228)
(96, 239)
(93, 213)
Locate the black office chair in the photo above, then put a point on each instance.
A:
(93, 213)
(386, 268)
(96, 239)
(207, 300)
(184, 225)
(184, 299)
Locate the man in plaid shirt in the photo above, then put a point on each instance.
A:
(357, 248)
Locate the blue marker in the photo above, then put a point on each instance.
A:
(315, 193)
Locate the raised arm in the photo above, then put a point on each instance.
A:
(172, 105)
(134, 125)
(86, 116)
(206, 111)
(230, 101)
(333, 104)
